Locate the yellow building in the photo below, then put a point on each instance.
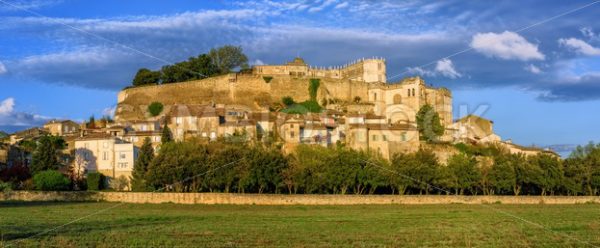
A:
(105, 154)
(62, 128)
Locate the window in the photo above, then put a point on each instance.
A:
(178, 120)
(144, 127)
(408, 92)
(156, 139)
(374, 138)
(122, 165)
(122, 155)
(292, 134)
(403, 136)
(105, 156)
(375, 97)
(413, 90)
(384, 137)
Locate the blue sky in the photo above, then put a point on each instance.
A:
(533, 67)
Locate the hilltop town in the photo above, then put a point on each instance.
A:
(290, 104)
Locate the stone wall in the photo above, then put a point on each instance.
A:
(282, 199)
(231, 89)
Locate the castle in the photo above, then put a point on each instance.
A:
(361, 109)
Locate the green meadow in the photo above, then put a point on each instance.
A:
(26, 224)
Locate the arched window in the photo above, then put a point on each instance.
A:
(413, 92)
(408, 92)
(374, 96)
(397, 99)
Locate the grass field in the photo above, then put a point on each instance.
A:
(172, 225)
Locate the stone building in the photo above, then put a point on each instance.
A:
(106, 154)
(62, 127)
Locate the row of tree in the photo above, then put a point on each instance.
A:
(224, 167)
(216, 62)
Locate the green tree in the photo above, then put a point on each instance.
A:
(95, 181)
(51, 180)
(428, 124)
(265, 170)
(91, 122)
(140, 168)
(550, 171)
(502, 177)
(464, 173)
(166, 135)
(155, 108)
(46, 155)
(399, 175)
(146, 77)
(179, 166)
(227, 58)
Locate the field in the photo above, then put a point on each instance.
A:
(170, 225)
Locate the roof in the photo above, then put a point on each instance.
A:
(405, 127)
(240, 123)
(55, 121)
(263, 116)
(471, 116)
(366, 116)
(143, 133)
(96, 136)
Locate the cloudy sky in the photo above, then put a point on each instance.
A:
(533, 67)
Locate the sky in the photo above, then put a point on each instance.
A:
(533, 67)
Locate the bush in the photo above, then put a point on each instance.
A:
(5, 186)
(155, 108)
(95, 181)
(267, 79)
(51, 180)
(288, 100)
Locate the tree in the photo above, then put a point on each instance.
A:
(166, 135)
(146, 77)
(227, 58)
(502, 177)
(428, 124)
(551, 170)
(155, 108)
(91, 123)
(464, 172)
(140, 168)
(51, 180)
(398, 176)
(95, 181)
(179, 166)
(313, 88)
(46, 154)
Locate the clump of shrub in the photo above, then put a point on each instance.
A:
(51, 180)
(5, 186)
(155, 108)
(95, 181)
(267, 79)
(288, 101)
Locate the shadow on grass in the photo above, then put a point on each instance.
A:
(12, 204)
(35, 232)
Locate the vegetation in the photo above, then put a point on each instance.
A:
(46, 155)
(227, 58)
(288, 101)
(155, 108)
(146, 77)
(140, 168)
(95, 181)
(166, 135)
(313, 88)
(51, 180)
(267, 79)
(218, 61)
(170, 225)
(428, 123)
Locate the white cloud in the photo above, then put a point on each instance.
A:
(257, 62)
(533, 69)
(10, 117)
(507, 45)
(589, 33)
(324, 5)
(446, 68)
(342, 5)
(443, 68)
(6, 106)
(2, 68)
(579, 46)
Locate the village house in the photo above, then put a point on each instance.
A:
(106, 154)
(62, 127)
